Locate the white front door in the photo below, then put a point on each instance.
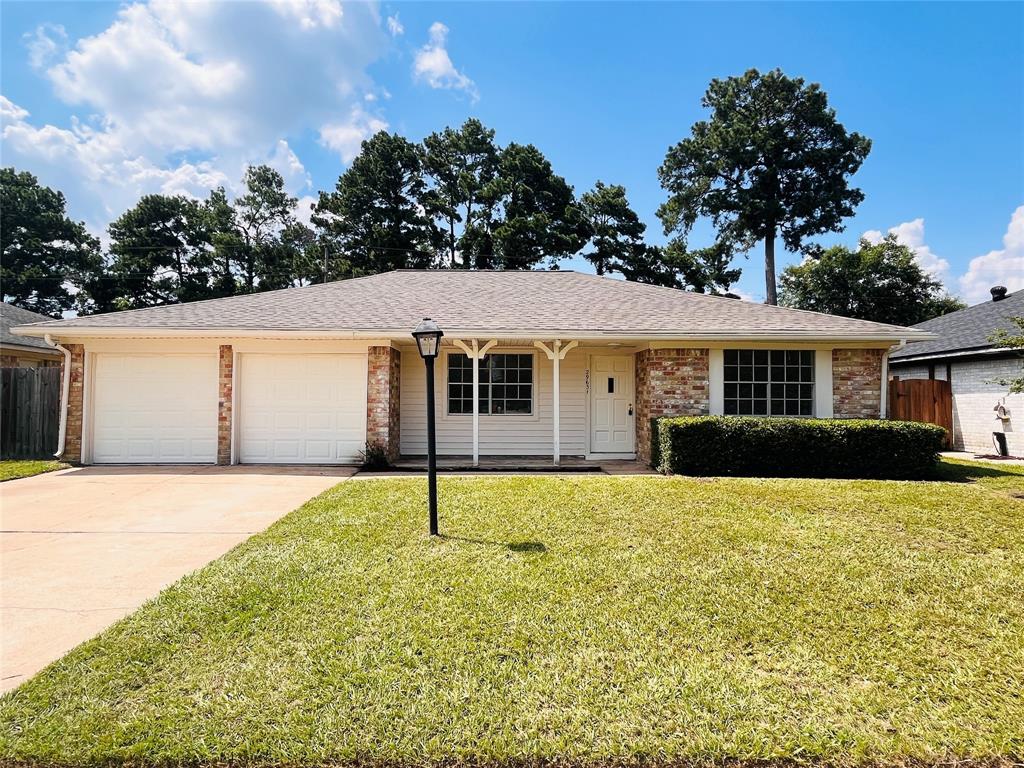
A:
(611, 404)
(301, 409)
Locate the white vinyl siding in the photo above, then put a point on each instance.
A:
(501, 435)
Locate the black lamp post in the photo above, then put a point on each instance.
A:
(428, 339)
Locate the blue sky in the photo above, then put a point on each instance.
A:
(108, 101)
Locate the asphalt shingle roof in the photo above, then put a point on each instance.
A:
(966, 330)
(11, 316)
(484, 302)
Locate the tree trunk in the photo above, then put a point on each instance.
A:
(770, 296)
(451, 240)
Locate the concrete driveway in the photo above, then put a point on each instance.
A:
(83, 547)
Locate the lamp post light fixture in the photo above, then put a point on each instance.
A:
(428, 340)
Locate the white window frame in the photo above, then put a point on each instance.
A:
(823, 391)
(534, 384)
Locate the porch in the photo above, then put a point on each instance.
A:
(516, 404)
(521, 464)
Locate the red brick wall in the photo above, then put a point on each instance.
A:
(383, 398)
(76, 392)
(225, 384)
(669, 382)
(856, 383)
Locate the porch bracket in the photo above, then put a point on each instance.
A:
(475, 353)
(556, 353)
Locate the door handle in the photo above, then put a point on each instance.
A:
(630, 409)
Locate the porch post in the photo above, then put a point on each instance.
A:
(475, 360)
(476, 354)
(556, 355)
(556, 401)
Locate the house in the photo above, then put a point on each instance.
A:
(23, 351)
(570, 364)
(963, 355)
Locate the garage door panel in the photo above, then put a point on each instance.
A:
(302, 408)
(154, 409)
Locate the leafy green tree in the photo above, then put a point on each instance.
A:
(263, 212)
(375, 214)
(772, 160)
(225, 240)
(616, 232)
(46, 257)
(540, 220)
(1012, 339)
(460, 164)
(161, 253)
(881, 282)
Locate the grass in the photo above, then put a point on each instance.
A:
(582, 621)
(16, 469)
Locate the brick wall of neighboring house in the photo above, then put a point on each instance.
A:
(976, 392)
(76, 392)
(856, 383)
(669, 382)
(225, 385)
(383, 399)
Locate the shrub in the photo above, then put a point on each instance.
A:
(743, 446)
(375, 456)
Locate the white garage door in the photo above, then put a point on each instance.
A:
(154, 409)
(302, 409)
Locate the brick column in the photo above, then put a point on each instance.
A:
(226, 364)
(856, 383)
(76, 393)
(669, 382)
(383, 398)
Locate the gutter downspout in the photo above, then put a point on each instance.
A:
(65, 392)
(883, 411)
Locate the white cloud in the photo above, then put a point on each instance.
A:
(311, 13)
(395, 27)
(304, 209)
(181, 96)
(1000, 267)
(433, 64)
(47, 43)
(98, 177)
(911, 234)
(345, 137)
(11, 112)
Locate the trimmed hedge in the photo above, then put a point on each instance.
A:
(746, 446)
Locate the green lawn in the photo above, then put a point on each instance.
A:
(13, 470)
(584, 621)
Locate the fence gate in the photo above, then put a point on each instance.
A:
(927, 400)
(29, 412)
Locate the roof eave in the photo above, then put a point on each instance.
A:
(896, 335)
(45, 351)
(948, 353)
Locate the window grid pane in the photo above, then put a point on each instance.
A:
(769, 382)
(506, 384)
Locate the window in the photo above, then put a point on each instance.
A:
(761, 382)
(506, 384)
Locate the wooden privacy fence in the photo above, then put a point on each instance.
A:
(927, 400)
(29, 412)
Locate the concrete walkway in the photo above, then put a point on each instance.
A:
(81, 548)
(975, 457)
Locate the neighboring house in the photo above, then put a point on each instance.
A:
(963, 355)
(23, 351)
(313, 374)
